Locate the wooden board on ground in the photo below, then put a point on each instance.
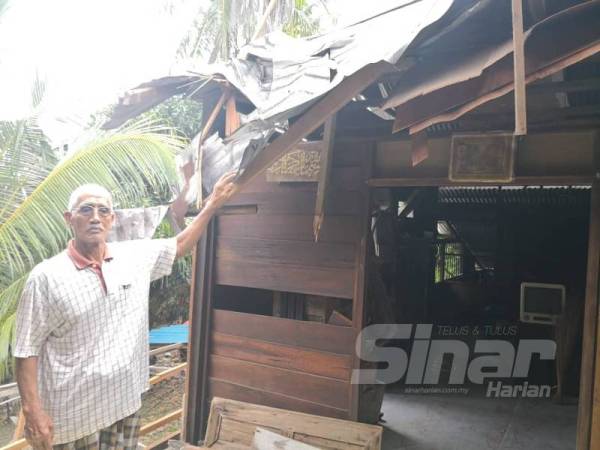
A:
(232, 423)
(267, 440)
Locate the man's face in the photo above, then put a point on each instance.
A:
(91, 219)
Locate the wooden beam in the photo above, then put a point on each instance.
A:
(314, 117)
(519, 68)
(454, 114)
(517, 181)
(166, 348)
(324, 171)
(419, 148)
(361, 267)
(232, 117)
(196, 388)
(588, 419)
(164, 441)
(152, 426)
(172, 372)
(590, 84)
(20, 427)
(16, 445)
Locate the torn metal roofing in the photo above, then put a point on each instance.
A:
(282, 76)
(445, 57)
(278, 73)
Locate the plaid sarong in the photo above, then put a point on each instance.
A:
(120, 435)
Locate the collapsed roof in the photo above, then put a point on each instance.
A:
(439, 59)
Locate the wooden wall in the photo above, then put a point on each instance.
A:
(264, 239)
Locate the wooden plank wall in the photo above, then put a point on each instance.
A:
(285, 363)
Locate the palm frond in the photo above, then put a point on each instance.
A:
(7, 333)
(132, 164)
(9, 298)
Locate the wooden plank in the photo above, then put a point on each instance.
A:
(326, 444)
(308, 335)
(314, 117)
(324, 174)
(338, 229)
(325, 281)
(19, 428)
(581, 180)
(519, 68)
(163, 441)
(348, 178)
(588, 419)
(291, 424)
(166, 348)
(196, 387)
(267, 440)
(159, 423)
(589, 344)
(282, 356)
(16, 445)
(543, 154)
(340, 202)
(467, 106)
(226, 389)
(7, 387)
(327, 391)
(360, 284)
(232, 118)
(170, 373)
(286, 252)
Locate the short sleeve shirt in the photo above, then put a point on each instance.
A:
(91, 344)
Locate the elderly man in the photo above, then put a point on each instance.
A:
(82, 327)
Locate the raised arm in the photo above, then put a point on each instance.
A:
(38, 425)
(222, 191)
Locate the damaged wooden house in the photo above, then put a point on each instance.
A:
(435, 166)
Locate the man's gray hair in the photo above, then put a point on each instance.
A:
(89, 189)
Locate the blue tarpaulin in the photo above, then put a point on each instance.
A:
(172, 334)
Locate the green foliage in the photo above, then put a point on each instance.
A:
(301, 21)
(178, 113)
(169, 296)
(220, 30)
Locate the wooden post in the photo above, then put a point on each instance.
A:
(195, 410)
(207, 127)
(363, 252)
(519, 68)
(588, 420)
(232, 118)
(324, 170)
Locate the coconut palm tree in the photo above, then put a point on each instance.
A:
(135, 164)
(226, 25)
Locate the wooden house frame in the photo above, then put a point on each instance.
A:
(312, 238)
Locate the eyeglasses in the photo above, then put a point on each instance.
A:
(88, 210)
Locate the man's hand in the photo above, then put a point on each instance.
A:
(39, 429)
(223, 190)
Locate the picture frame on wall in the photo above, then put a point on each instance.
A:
(488, 158)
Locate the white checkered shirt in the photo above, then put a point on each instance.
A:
(92, 347)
